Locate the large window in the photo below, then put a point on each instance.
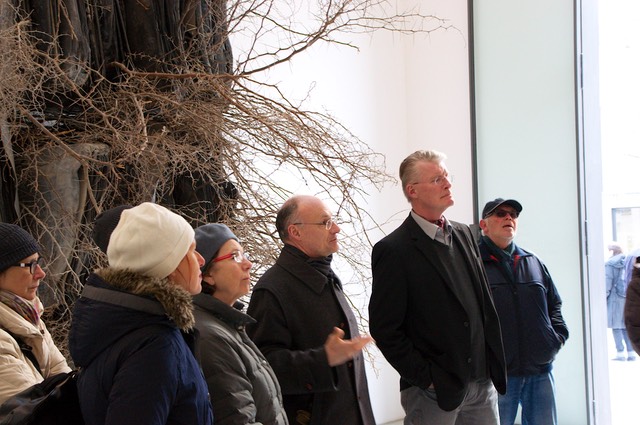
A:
(625, 223)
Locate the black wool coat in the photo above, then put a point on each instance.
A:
(417, 317)
(296, 309)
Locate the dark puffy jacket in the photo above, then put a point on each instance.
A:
(244, 389)
(529, 308)
(137, 366)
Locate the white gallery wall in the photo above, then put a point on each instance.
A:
(399, 93)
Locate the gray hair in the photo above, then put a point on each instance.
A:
(408, 166)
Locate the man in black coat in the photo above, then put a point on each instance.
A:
(305, 326)
(431, 312)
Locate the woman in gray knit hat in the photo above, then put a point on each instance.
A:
(242, 385)
(20, 311)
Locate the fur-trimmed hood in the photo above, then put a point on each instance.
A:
(176, 301)
(128, 337)
(99, 324)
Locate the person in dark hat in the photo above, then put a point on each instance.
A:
(529, 308)
(20, 315)
(105, 223)
(243, 387)
(132, 328)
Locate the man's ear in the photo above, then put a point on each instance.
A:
(483, 225)
(294, 232)
(410, 190)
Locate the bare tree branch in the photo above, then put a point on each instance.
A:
(80, 135)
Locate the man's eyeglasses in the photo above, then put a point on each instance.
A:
(237, 256)
(33, 265)
(504, 213)
(328, 223)
(438, 180)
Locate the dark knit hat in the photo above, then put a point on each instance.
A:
(104, 224)
(15, 244)
(209, 239)
(492, 205)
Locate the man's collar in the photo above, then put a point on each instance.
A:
(428, 227)
(304, 268)
(508, 251)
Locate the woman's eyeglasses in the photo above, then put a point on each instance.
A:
(237, 256)
(33, 265)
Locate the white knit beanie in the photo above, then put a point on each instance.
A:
(149, 239)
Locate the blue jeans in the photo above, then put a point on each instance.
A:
(536, 394)
(620, 335)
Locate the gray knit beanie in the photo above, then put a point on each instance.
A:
(15, 244)
(209, 239)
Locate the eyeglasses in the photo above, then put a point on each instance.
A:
(504, 213)
(328, 223)
(438, 180)
(237, 256)
(33, 265)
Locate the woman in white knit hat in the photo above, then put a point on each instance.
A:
(20, 311)
(243, 387)
(131, 331)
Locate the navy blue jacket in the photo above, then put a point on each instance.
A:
(529, 308)
(137, 367)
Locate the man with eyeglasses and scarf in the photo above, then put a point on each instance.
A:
(305, 326)
(528, 305)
